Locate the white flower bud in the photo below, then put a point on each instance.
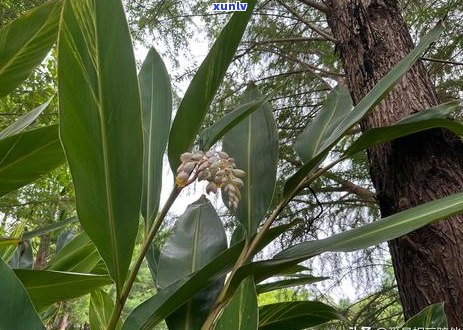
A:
(223, 155)
(189, 167)
(239, 173)
(186, 157)
(182, 179)
(211, 187)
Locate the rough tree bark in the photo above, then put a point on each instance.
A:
(371, 38)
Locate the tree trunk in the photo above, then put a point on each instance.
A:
(371, 38)
(43, 252)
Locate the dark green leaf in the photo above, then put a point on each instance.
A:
(47, 287)
(79, 256)
(25, 42)
(152, 259)
(312, 140)
(241, 312)
(295, 315)
(100, 126)
(253, 143)
(101, 306)
(214, 133)
(431, 317)
(166, 301)
(156, 101)
(204, 86)
(26, 156)
(197, 237)
(16, 309)
(374, 96)
(411, 125)
(379, 231)
(49, 228)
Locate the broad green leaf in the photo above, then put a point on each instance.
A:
(295, 315)
(197, 237)
(431, 317)
(442, 110)
(204, 86)
(288, 283)
(78, 256)
(253, 143)
(16, 309)
(156, 101)
(9, 241)
(379, 231)
(49, 228)
(152, 259)
(23, 257)
(26, 156)
(47, 287)
(374, 96)
(214, 133)
(410, 126)
(25, 42)
(23, 121)
(101, 307)
(336, 106)
(241, 312)
(166, 301)
(100, 126)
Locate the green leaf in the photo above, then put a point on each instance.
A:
(79, 256)
(311, 141)
(47, 287)
(204, 86)
(409, 126)
(25, 42)
(16, 309)
(26, 156)
(7, 252)
(288, 283)
(100, 126)
(197, 237)
(214, 133)
(379, 231)
(101, 306)
(295, 315)
(23, 121)
(49, 228)
(374, 96)
(9, 241)
(166, 301)
(241, 312)
(253, 143)
(432, 316)
(156, 101)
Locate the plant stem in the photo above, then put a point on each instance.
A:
(250, 249)
(122, 298)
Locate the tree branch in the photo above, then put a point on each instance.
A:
(316, 5)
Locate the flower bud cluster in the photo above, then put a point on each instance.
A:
(218, 168)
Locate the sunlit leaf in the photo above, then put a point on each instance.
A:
(47, 287)
(101, 306)
(25, 42)
(432, 316)
(26, 156)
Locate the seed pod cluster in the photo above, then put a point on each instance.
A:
(216, 167)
